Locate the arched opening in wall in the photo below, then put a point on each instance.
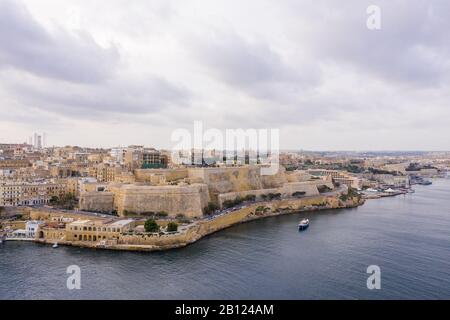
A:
(41, 234)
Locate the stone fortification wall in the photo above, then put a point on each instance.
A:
(54, 215)
(145, 175)
(298, 176)
(96, 201)
(276, 180)
(287, 190)
(223, 180)
(189, 200)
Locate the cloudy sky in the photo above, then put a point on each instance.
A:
(119, 72)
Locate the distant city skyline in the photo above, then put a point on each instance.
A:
(102, 78)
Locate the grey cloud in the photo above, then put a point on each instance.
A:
(27, 46)
(92, 88)
(412, 46)
(122, 96)
(252, 67)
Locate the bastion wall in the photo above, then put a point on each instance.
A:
(309, 188)
(145, 175)
(97, 201)
(56, 215)
(189, 200)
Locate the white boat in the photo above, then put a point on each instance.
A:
(55, 245)
(303, 224)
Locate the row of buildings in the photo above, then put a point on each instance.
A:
(26, 193)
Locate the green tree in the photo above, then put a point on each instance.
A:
(210, 208)
(162, 214)
(324, 188)
(54, 200)
(274, 196)
(250, 197)
(68, 201)
(299, 194)
(172, 227)
(151, 226)
(232, 203)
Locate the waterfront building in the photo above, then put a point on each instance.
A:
(397, 181)
(29, 233)
(31, 228)
(93, 231)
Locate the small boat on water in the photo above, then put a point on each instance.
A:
(55, 245)
(304, 224)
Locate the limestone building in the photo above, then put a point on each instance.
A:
(24, 193)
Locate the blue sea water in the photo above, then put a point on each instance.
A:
(408, 237)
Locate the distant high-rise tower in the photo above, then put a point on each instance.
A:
(38, 143)
(35, 140)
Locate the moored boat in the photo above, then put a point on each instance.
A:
(304, 224)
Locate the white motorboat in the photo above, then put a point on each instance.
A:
(304, 224)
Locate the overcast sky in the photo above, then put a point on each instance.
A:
(119, 72)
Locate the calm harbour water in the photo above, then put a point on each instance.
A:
(408, 237)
